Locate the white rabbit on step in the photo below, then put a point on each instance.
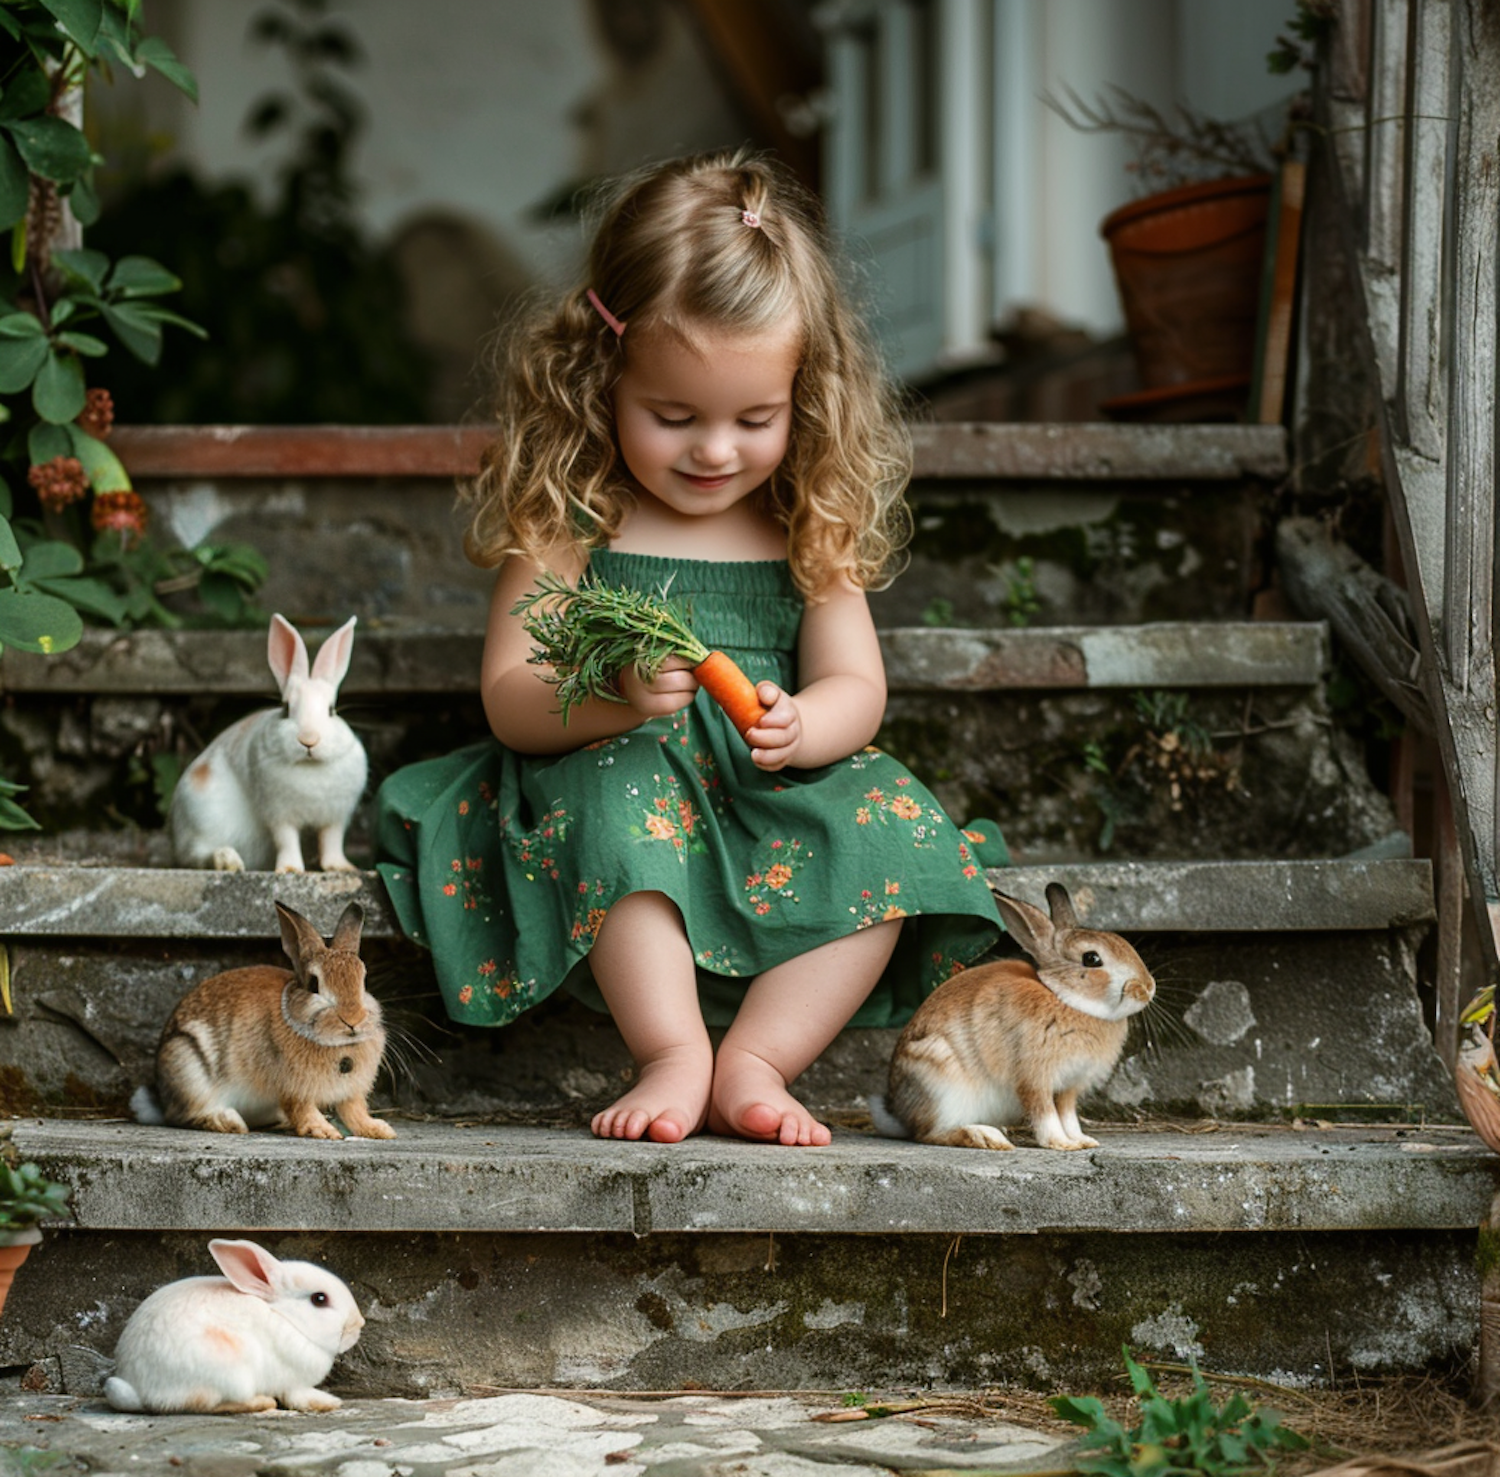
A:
(244, 802)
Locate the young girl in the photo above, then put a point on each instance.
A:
(706, 410)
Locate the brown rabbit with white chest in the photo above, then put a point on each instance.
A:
(1005, 1043)
(265, 1046)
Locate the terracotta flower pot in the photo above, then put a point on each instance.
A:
(12, 1254)
(1188, 266)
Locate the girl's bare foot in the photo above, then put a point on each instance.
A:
(750, 1101)
(668, 1102)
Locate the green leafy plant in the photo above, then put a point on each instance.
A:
(12, 816)
(283, 282)
(27, 1196)
(1170, 713)
(1190, 1434)
(1310, 24)
(72, 528)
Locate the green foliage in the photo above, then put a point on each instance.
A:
(304, 317)
(12, 817)
(1021, 602)
(26, 1194)
(1166, 713)
(72, 541)
(1311, 23)
(1110, 809)
(590, 634)
(938, 611)
(1190, 1434)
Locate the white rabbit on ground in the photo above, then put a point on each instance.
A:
(1010, 1042)
(264, 1333)
(244, 802)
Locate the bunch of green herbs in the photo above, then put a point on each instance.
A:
(590, 633)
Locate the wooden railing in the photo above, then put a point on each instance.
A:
(1411, 104)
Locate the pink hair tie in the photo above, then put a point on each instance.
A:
(604, 313)
(750, 218)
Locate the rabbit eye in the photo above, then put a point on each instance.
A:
(312, 984)
(319, 1300)
(1091, 960)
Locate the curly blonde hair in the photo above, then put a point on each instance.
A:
(672, 249)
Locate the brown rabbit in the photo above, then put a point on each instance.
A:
(1006, 1042)
(269, 1046)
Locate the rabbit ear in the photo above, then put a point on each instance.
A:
(302, 942)
(346, 934)
(1061, 906)
(332, 660)
(286, 651)
(251, 1268)
(1030, 927)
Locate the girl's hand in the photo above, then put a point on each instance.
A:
(672, 690)
(775, 739)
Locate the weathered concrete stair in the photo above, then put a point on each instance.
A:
(487, 1247)
(513, 1256)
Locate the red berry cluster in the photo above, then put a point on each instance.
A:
(59, 482)
(121, 512)
(98, 415)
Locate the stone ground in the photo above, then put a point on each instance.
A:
(526, 1434)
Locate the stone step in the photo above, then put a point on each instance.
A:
(1270, 896)
(1284, 985)
(398, 658)
(1107, 523)
(484, 1177)
(529, 1257)
(1082, 452)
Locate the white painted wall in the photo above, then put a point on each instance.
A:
(480, 107)
(1208, 54)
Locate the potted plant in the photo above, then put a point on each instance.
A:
(1187, 255)
(27, 1198)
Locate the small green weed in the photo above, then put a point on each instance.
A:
(856, 1398)
(938, 611)
(1190, 1434)
(1021, 602)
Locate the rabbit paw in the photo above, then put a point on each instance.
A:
(222, 1120)
(1064, 1145)
(313, 1125)
(972, 1136)
(310, 1400)
(227, 859)
(362, 1126)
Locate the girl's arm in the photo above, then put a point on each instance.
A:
(522, 707)
(842, 698)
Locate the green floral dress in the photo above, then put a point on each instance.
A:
(504, 865)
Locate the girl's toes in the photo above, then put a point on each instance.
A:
(762, 1121)
(667, 1128)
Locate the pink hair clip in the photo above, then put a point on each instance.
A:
(750, 218)
(604, 313)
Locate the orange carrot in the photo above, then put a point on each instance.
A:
(723, 681)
